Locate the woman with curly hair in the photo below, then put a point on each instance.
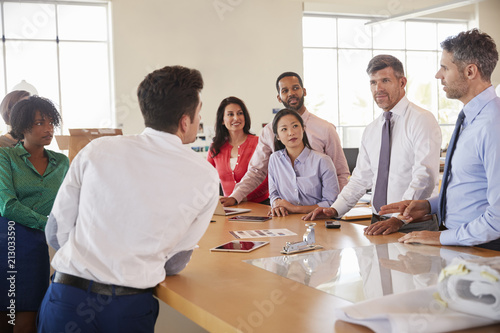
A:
(30, 177)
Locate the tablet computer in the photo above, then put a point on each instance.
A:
(239, 246)
(244, 218)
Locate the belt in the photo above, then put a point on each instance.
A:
(377, 218)
(96, 287)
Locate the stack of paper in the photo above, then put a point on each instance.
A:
(472, 286)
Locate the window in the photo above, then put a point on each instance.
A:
(337, 51)
(63, 50)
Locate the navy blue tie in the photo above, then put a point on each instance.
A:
(380, 195)
(447, 168)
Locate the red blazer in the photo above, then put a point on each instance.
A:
(228, 177)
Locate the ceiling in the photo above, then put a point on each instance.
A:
(463, 8)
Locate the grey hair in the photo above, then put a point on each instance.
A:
(383, 61)
(473, 47)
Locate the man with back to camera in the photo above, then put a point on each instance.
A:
(406, 166)
(322, 136)
(130, 211)
(468, 205)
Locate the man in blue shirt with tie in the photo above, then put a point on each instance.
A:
(469, 203)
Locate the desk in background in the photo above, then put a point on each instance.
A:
(221, 293)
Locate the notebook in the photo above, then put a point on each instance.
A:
(358, 213)
(225, 211)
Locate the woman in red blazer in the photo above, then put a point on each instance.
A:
(233, 147)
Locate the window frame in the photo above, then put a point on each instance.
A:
(373, 109)
(106, 4)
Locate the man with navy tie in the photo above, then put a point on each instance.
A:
(468, 206)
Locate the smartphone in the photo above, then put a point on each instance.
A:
(332, 224)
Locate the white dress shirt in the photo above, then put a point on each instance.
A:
(414, 166)
(127, 205)
(322, 136)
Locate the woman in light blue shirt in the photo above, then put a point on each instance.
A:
(300, 179)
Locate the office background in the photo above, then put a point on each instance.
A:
(240, 51)
(240, 46)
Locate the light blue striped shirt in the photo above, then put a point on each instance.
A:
(312, 181)
(473, 194)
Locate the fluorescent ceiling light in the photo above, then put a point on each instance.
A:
(425, 11)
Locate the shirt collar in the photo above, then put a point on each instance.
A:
(398, 110)
(282, 153)
(171, 137)
(476, 104)
(305, 115)
(51, 156)
(23, 153)
(303, 155)
(301, 158)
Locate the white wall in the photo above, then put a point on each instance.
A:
(488, 20)
(239, 52)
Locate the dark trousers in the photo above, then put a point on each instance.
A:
(493, 245)
(69, 309)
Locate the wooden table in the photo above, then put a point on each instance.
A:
(221, 293)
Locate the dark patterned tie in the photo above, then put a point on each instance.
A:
(447, 167)
(380, 195)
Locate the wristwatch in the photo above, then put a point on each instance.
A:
(404, 221)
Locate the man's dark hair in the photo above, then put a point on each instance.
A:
(383, 61)
(167, 94)
(8, 102)
(278, 145)
(22, 116)
(221, 132)
(285, 75)
(473, 47)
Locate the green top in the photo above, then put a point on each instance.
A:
(26, 197)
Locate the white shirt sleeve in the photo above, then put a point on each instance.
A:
(257, 168)
(62, 218)
(426, 136)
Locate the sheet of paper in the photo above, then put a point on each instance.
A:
(259, 233)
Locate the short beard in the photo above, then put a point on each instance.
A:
(459, 89)
(297, 108)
